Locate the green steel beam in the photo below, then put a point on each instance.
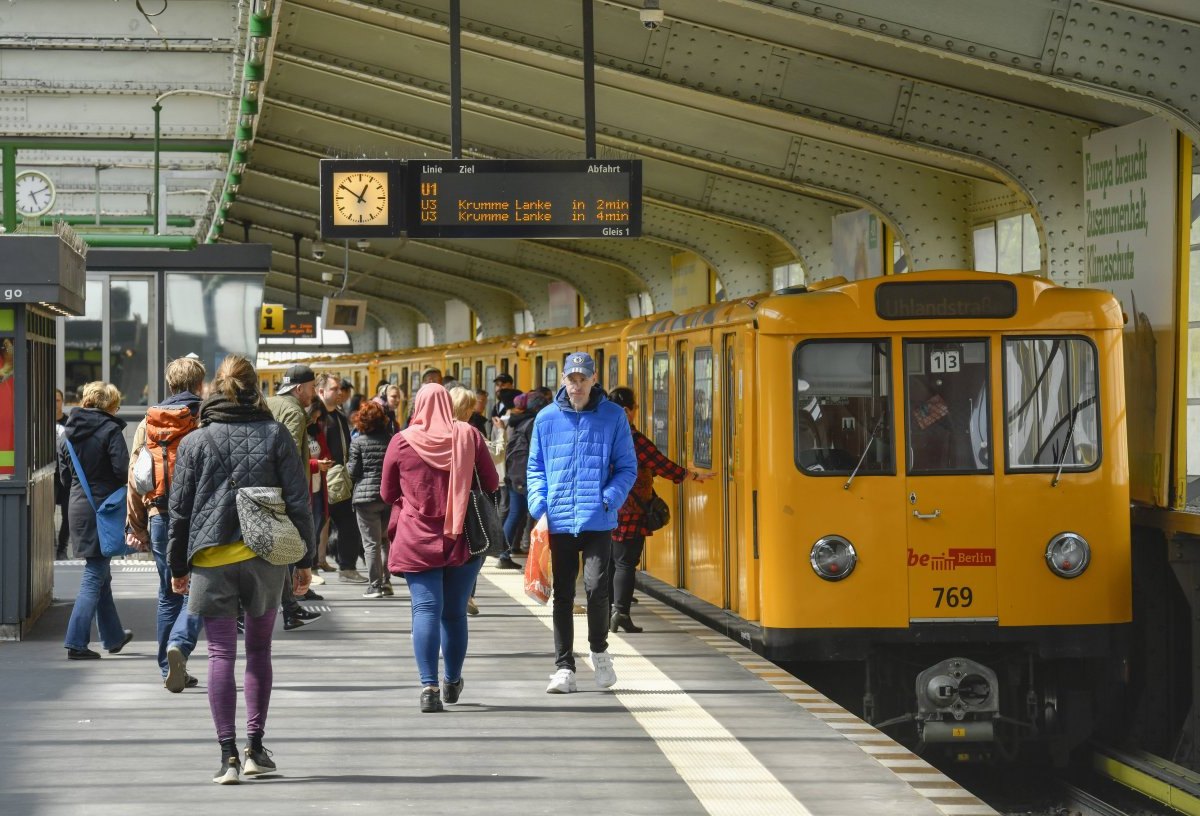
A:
(127, 241)
(135, 145)
(117, 220)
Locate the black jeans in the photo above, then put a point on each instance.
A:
(625, 558)
(596, 546)
(344, 533)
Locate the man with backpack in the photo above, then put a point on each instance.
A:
(155, 444)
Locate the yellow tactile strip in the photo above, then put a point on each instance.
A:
(944, 793)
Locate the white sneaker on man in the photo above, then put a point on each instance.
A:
(603, 664)
(562, 682)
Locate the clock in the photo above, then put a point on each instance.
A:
(361, 198)
(35, 193)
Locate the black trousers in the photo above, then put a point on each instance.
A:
(625, 558)
(596, 546)
(345, 534)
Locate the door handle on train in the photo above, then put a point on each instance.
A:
(920, 515)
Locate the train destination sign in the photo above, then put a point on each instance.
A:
(501, 198)
(949, 300)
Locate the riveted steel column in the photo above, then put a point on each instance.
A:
(10, 187)
(589, 82)
(157, 112)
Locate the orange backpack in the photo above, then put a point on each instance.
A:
(156, 461)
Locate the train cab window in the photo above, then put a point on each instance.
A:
(660, 383)
(1051, 408)
(702, 401)
(843, 408)
(947, 393)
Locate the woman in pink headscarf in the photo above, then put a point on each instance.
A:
(427, 474)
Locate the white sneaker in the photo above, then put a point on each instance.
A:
(563, 682)
(605, 676)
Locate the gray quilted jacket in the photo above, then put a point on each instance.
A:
(366, 465)
(211, 464)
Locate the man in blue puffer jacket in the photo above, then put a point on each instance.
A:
(581, 466)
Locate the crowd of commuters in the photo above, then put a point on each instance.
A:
(574, 468)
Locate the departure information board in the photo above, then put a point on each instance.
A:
(500, 198)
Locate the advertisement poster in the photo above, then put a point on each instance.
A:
(1130, 178)
(856, 250)
(8, 458)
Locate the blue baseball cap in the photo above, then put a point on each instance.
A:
(579, 362)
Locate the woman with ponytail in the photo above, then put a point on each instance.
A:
(238, 444)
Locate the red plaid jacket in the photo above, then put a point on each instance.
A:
(651, 462)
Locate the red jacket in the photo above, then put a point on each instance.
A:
(417, 493)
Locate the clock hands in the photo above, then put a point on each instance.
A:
(361, 198)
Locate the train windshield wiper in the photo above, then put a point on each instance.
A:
(1062, 457)
(866, 450)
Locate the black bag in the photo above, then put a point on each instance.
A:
(658, 513)
(485, 532)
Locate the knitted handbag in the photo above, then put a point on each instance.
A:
(266, 528)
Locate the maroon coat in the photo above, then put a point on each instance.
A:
(417, 493)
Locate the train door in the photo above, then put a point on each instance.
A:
(950, 501)
(730, 467)
(682, 426)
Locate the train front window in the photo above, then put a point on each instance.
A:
(947, 396)
(843, 408)
(1050, 405)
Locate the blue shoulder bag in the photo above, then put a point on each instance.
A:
(110, 516)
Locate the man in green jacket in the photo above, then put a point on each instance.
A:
(290, 407)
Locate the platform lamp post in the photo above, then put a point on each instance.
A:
(157, 108)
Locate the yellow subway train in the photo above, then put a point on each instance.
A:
(921, 488)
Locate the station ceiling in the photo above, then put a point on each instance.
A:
(757, 121)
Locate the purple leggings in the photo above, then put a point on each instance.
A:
(222, 689)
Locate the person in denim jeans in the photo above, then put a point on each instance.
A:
(97, 437)
(427, 473)
(178, 629)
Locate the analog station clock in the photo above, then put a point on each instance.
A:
(35, 193)
(361, 198)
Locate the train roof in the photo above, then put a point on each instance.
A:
(941, 300)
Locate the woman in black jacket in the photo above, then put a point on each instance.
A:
(366, 471)
(238, 444)
(99, 444)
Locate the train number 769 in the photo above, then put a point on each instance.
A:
(953, 596)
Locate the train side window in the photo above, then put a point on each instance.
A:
(465, 378)
(1051, 404)
(539, 371)
(702, 419)
(661, 382)
(843, 408)
(550, 376)
(598, 358)
(948, 393)
(489, 374)
(614, 370)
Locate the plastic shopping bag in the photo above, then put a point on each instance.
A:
(538, 576)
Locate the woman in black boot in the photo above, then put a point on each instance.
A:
(633, 522)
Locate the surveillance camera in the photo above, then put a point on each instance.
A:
(327, 277)
(318, 251)
(651, 15)
(362, 243)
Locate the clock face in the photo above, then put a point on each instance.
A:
(360, 198)
(35, 193)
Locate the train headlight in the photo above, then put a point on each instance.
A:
(833, 557)
(1068, 555)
